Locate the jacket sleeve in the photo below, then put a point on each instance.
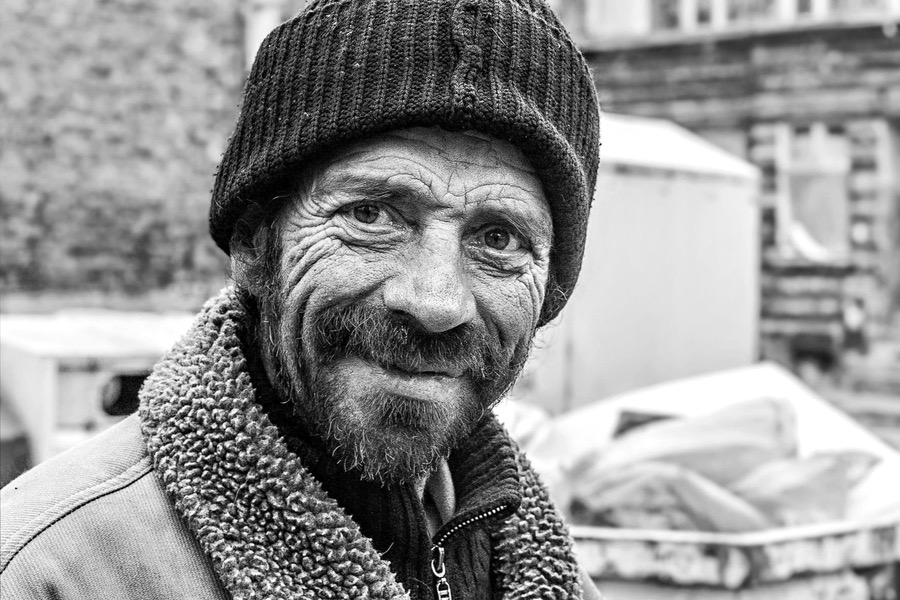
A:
(24, 582)
(95, 522)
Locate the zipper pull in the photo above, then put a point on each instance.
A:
(440, 570)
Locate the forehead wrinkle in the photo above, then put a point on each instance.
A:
(515, 161)
(481, 155)
(418, 187)
(370, 155)
(500, 191)
(370, 187)
(532, 202)
(475, 143)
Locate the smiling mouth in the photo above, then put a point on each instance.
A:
(423, 371)
(427, 382)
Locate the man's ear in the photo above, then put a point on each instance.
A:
(248, 261)
(240, 269)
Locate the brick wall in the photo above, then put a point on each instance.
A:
(113, 116)
(732, 80)
(727, 87)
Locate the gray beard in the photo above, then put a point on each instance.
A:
(382, 436)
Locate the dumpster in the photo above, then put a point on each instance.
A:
(847, 561)
(69, 375)
(854, 556)
(15, 456)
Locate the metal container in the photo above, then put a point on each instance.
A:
(846, 561)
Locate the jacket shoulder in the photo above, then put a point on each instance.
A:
(95, 522)
(56, 488)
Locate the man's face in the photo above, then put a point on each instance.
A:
(411, 273)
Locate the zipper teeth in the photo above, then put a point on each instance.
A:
(469, 521)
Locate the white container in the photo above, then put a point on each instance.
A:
(53, 368)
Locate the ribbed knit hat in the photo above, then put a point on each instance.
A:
(345, 70)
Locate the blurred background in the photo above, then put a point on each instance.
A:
(744, 247)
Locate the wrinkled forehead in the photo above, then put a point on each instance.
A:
(465, 163)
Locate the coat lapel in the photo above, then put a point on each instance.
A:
(266, 524)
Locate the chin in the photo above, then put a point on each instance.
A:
(387, 436)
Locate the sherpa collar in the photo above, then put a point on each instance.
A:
(263, 520)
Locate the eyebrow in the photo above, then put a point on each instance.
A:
(531, 222)
(373, 188)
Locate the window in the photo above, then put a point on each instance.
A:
(861, 234)
(804, 7)
(745, 11)
(852, 8)
(664, 15)
(768, 227)
(704, 12)
(819, 167)
(769, 178)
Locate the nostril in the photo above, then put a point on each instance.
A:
(435, 294)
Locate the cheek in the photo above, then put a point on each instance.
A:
(318, 262)
(323, 274)
(512, 304)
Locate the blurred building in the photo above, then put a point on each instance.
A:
(68, 376)
(668, 286)
(113, 117)
(809, 91)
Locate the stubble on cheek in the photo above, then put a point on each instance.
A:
(305, 247)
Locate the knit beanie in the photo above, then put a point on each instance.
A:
(346, 70)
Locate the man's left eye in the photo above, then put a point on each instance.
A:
(498, 238)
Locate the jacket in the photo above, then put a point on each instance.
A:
(199, 497)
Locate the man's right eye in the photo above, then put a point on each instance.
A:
(366, 213)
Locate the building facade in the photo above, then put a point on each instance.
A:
(809, 91)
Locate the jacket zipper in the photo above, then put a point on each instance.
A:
(438, 568)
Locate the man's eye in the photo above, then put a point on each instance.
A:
(366, 213)
(498, 238)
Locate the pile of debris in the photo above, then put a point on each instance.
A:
(742, 451)
(735, 469)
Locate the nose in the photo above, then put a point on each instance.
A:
(432, 287)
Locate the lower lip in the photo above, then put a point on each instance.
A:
(422, 386)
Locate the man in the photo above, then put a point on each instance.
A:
(404, 200)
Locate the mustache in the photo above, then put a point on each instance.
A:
(394, 340)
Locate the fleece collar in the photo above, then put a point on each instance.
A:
(267, 526)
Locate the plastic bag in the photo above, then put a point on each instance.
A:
(722, 446)
(657, 495)
(799, 491)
